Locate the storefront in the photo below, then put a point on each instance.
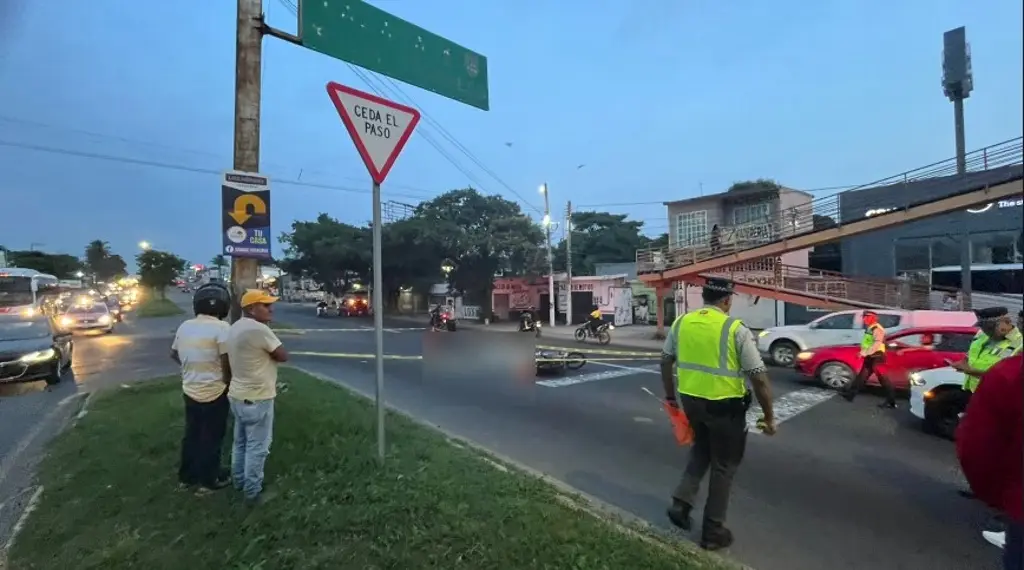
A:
(919, 249)
(610, 293)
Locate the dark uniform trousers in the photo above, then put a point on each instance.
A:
(719, 441)
(205, 426)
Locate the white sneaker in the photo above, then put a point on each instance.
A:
(995, 538)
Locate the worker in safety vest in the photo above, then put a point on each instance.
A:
(872, 351)
(997, 339)
(712, 354)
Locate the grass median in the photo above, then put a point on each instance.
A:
(111, 503)
(157, 307)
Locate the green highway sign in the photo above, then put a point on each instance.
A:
(356, 32)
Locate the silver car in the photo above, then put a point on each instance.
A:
(91, 317)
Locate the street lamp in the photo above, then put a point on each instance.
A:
(79, 274)
(145, 245)
(447, 267)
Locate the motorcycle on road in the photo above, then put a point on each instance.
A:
(602, 333)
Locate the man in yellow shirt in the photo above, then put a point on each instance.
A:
(254, 352)
(200, 348)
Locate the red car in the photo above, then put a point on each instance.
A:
(907, 350)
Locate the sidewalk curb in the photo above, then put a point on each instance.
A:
(620, 519)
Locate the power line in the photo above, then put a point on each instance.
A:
(144, 143)
(183, 168)
(395, 89)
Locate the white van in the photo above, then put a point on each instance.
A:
(780, 345)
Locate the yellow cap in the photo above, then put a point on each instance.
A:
(256, 297)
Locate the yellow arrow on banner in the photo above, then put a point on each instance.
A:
(241, 214)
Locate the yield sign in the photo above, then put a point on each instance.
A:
(380, 128)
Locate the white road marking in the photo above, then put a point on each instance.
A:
(618, 371)
(357, 330)
(790, 405)
(584, 378)
(33, 501)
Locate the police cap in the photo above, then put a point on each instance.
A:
(990, 314)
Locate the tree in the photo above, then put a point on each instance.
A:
(482, 235)
(101, 263)
(602, 237)
(333, 253)
(60, 265)
(759, 185)
(158, 269)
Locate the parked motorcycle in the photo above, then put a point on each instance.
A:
(602, 334)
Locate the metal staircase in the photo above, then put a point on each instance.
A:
(993, 173)
(820, 289)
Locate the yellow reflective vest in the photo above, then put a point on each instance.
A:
(707, 359)
(869, 338)
(984, 354)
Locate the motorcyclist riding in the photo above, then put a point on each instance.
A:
(526, 319)
(435, 316)
(321, 308)
(594, 320)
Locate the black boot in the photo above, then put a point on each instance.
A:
(887, 405)
(679, 514)
(715, 536)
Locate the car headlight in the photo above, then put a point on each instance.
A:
(104, 320)
(38, 356)
(66, 321)
(916, 380)
(762, 334)
(804, 355)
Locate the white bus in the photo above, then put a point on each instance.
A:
(26, 288)
(992, 284)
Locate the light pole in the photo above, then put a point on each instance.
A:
(145, 245)
(552, 296)
(957, 84)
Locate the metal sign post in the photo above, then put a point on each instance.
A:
(379, 129)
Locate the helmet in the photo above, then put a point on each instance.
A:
(212, 299)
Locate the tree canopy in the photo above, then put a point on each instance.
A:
(480, 235)
(602, 237)
(60, 265)
(158, 269)
(102, 263)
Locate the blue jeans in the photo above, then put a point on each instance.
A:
(254, 430)
(1013, 552)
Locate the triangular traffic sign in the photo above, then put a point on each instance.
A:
(379, 128)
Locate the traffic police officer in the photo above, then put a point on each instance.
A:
(996, 340)
(872, 351)
(711, 353)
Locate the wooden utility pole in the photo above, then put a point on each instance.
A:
(248, 85)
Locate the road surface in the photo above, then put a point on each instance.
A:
(32, 413)
(842, 486)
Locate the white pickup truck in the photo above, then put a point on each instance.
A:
(780, 345)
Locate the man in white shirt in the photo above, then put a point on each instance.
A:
(254, 352)
(200, 347)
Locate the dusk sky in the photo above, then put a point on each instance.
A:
(116, 115)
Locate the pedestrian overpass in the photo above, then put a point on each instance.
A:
(749, 253)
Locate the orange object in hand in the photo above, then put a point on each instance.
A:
(680, 424)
